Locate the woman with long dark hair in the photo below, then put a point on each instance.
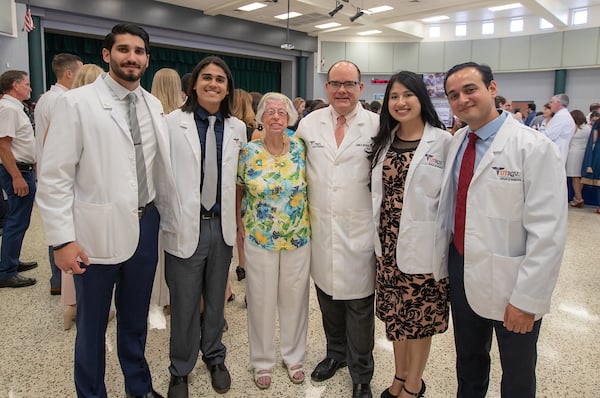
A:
(407, 161)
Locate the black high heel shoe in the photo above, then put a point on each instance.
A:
(387, 394)
(417, 394)
(240, 272)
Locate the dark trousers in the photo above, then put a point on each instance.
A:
(204, 274)
(17, 222)
(55, 276)
(349, 327)
(473, 340)
(133, 280)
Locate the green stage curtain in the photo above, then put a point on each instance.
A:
(248, 73)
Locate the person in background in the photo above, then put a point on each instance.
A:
(575, 156)
(407, 161)
(256, 96)
(531, 107)
(242, 109)
(540, 122)
(590, 169)
(561, 127)
(105, 182)
(273, 227)
(65, 67)
(185, 86)
(504, 198)
(299, 104)
(17, 176)
(166, 86)
(594, 116)
(342, 246)
(205, 144)
(375, 106)
(594, 107)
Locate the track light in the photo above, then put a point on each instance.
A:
(359, 13)
(337, 8)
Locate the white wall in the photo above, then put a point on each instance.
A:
(14, 51)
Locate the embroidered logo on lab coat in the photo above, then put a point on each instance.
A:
(238, 142)
(507, 175)
(431, 160)
(315, 144)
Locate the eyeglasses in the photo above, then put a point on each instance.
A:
(279, 112)
(349, 85)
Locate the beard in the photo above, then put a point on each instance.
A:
(127, 75)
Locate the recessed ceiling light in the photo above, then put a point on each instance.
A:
(436, 18)
(252, 7)
(328, 25)
(505, 7)
(292, 14)
(369, 32)
(375, 10)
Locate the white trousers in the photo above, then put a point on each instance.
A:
(277, 281)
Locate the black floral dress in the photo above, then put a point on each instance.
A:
(412, 306)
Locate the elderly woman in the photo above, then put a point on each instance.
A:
(274, 228)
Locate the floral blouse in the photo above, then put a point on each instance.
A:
(274, 205)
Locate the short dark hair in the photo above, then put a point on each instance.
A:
(578, 117)
(531, 106)
(191, 103)
(9, 78)
(499, 100)
(186, 82)
(63, 61)
(123, 28)
(486, 72)
(344, 62)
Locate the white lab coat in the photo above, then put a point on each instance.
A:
(560, 129)
(339, 200)
(44, 109)
(417, 241)
(187, 166)
(87, 189)
(516, 220)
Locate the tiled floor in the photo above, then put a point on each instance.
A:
(36, 354)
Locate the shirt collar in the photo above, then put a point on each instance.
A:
(202, 114)
(349, 116)
(492, 127)
(12, 99)
(119, 91)
(59, 87)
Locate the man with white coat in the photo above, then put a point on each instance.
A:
(561, 126)
(343, 261)
(65, 67)
(106, 185)
(504, 197)
(199, 253)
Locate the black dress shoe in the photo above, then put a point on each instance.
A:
(220, 378)
(151, 394)
(326, 369)
(178, 387)
(240, 272)
(26, 266)
(17, 281)
(361, 391)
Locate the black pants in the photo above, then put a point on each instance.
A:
(349, 328)
(473, 340)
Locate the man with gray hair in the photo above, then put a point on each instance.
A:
(561, 127)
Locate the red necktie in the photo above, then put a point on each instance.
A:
(464, 179)
(340, 130)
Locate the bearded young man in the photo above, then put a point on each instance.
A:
(103, 190)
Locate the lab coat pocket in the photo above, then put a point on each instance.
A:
(505, 271)
(94, 228)
(505, 200)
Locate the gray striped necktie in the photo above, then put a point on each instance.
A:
(211, 174)
(140, 164)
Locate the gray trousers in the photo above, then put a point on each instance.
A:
(349, 327)
(204, 274)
